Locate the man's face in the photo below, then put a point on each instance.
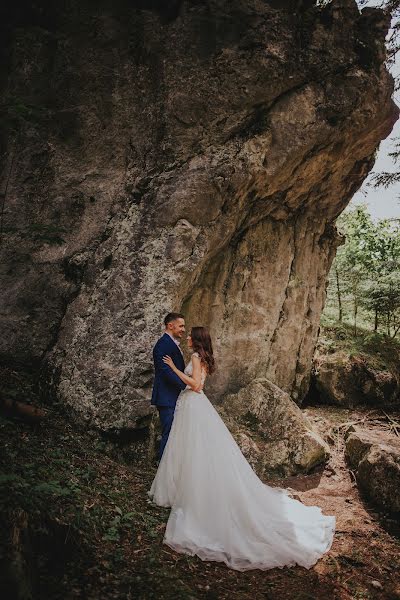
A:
(177, 328)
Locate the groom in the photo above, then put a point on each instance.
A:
(167, 385)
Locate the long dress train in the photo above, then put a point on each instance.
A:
(220, 509)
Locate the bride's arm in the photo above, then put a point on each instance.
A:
(195, 380)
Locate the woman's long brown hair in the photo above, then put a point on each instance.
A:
(201, 342)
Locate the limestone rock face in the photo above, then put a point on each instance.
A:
(177, 155)
(377, 466)
(349, 381)
(271, 430)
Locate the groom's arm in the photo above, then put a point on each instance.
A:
(166, 371)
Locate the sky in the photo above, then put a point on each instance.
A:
(383, 203)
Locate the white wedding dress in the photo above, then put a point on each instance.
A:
(221, 510)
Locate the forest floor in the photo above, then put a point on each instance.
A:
(80, 525)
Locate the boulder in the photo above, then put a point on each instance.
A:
(346, 380)
(375, 459)
(272, 431)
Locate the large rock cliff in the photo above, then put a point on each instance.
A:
(178, 155)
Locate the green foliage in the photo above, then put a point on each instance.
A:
(117, 525)
(380, 351)
(52, 488)
(87, 516)
(365, 275)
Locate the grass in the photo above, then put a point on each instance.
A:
(381, 351)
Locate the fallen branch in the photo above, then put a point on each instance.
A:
(367, 419)
(394, 425)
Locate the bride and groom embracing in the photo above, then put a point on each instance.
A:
(220, 509)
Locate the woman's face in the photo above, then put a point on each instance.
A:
(189, 341)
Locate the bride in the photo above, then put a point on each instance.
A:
(220, 509)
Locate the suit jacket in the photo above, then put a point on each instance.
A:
(167, 385)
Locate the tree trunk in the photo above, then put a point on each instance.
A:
(396, 331)
(339, 295)
(355, 305)
(376, 320)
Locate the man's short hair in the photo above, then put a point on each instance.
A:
(172, 317)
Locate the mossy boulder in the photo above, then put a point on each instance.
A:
(272, 430)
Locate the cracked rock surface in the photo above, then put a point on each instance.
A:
(187, 156)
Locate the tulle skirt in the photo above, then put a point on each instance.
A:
(220, 509)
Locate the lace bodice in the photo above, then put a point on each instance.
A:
(189, 369)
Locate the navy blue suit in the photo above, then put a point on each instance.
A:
(167, 385)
